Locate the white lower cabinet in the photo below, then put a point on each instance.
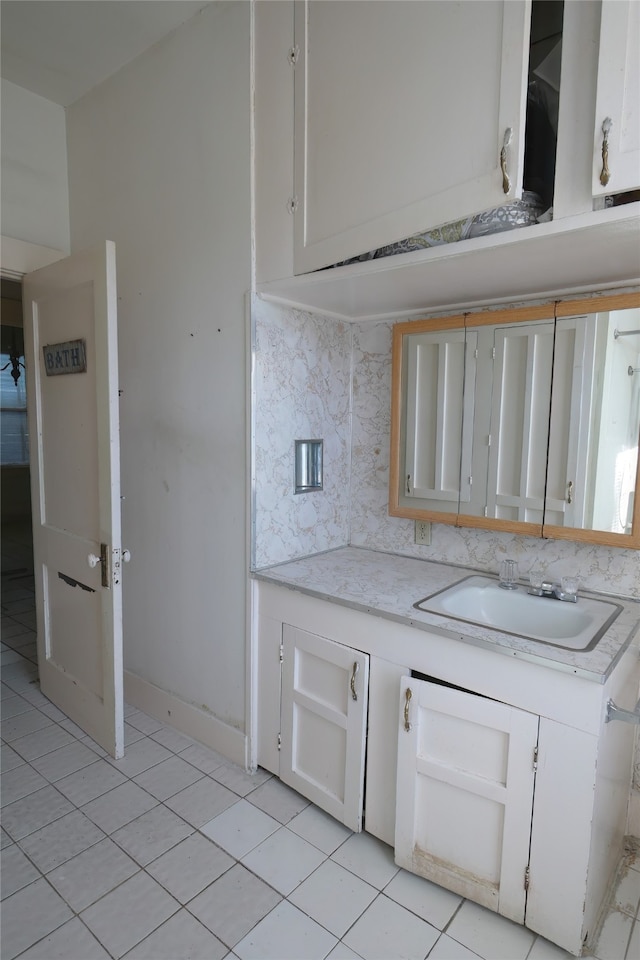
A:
(323, 722)
(494, 777)
(465, 779)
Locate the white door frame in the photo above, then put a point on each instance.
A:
(18, 257)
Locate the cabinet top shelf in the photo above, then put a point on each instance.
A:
(574, 255)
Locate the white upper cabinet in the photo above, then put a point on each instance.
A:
(407, 116)
(617, 135)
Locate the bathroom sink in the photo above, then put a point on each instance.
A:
(481, 600)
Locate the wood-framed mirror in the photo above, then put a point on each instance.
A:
(525, 420)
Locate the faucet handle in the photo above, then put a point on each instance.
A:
(569, 586)
(536, 578)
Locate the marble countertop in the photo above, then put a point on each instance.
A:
(388, 585)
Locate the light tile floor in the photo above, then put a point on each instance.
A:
(173, 853)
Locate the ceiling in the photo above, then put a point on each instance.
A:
(60, 49)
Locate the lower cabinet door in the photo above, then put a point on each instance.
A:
(465, 780)
(323, 723)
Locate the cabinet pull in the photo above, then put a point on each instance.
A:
(408, 483)
(605, 176)
(354, 674)
(570, 492)
(506, 182)
(407, 701)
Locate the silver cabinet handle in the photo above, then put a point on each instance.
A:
(605, 176)
(407, 702)
(354, 674)
(570, 492)
(506, 182)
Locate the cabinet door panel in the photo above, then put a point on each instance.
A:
(465, 793)
(618, 97)
(520, 422)
(323, 723)
(401, 110)
(571, 422)
(439, 417)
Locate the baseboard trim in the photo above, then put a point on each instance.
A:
(186, 718)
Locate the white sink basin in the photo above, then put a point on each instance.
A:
(480, 600)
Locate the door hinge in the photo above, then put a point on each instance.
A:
(527, 879)
(281, 651)
(475, 354)
(292, 205)
(293, 54)
(486, 511)
(279, 741)
(489, 440)
(535, 759)
(493, 353)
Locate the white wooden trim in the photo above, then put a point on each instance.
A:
(185, 717)
(18, 257)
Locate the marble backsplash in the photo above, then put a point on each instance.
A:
(301, 391)
(321, 378)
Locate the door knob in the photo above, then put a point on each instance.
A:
(92, 560)
(126, 556)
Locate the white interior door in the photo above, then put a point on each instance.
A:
(465, 793)
(323, 722)
(72, 379)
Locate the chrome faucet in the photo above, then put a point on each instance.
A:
(566, 590)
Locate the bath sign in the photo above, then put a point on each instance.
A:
(68, 357)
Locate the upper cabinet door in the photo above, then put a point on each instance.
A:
(617, 152)
(402, 110)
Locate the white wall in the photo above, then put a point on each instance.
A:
(35, 195)
(159, 162)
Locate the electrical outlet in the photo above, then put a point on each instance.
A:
(423, 532)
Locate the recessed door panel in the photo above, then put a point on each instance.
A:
(323, 722)
(465, 783)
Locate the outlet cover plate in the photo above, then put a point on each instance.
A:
(423, 532)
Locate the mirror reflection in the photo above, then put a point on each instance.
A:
(513, 420)
(595, 418)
